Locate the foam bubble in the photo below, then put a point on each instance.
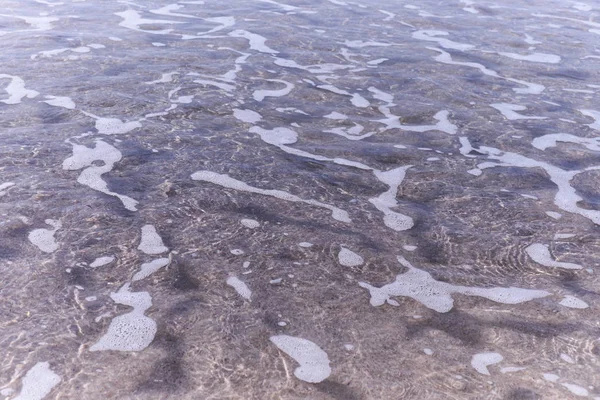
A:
(151, 242)
(164, 78)
(534, 57)
(566, 197)
(38, 382)
(149, 268)
(133, 20)
(64, 102)
(102, 261)
(576, 389)
(247, 116)
(348, 258)
(259, 95)
(255, 41)
(420, 286)
(314, 362)
(5, 186)
(231, 183)
(92, 175)
(551, 377)
(16, 90)
(573, 302)
(541, 255)
(510, 111)
(594, 114)
(482, 360)
(507, 370)
(240, 287)
(551, 140)
(132, 331)
(434, 36)
(43, 239)
(250, 223)
(387, 200)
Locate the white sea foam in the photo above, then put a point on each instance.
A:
(377, 61)
(348, 258)
(567, 358)
(551, 377)
(314, 362)
(164, 78)
(64, 102)
(381, 95)
(149, 268)
(534, 57)
(231, 183)
(92, 175)
(358, 44)
(38, 382)
(510, 111)
(393, 122)
(240, 287)
(387, 200)
(507, 370)
(434, 36)
(420, 286)
(286, 7)
(336, 115)
(43, 239)
(559, 236)
(102, 261)
(281, 137)
(133, 20)
(151, 242)
(594, 114)
(113, 126)
(352, 133)
(576, 389)
(530, 40)
(16, 90)
(551, 214)
(132, 331)
(541, 255)
(551, 140)
(566, 197)
(390, 15)
(356, 99)
(256, 41)
(168, 11)
(54, 52)
(5, 186)
(318, 69)
(247, 116)
(573, 302)
(531, 88)
(250, 223)
(483, 360)
(259, 95)
(41, 23)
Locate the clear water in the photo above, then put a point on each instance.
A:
(300, 200)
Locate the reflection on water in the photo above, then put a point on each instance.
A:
(309, 199)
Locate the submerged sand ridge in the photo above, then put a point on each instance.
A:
(285, 199)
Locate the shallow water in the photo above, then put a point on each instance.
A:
(300, 200)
